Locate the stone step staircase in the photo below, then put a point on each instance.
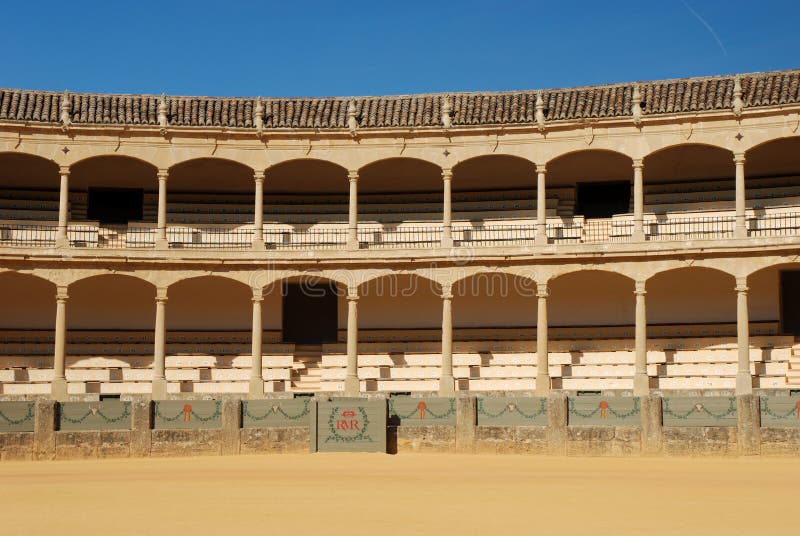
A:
(306, 372)
(793, 373)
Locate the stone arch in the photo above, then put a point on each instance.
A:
(765, 297)
(400, 301)
(592, 164)
(688, 161)
(494, 171)
(691, 294)
(112, 170)
(210, 174)
(775, 157)
(593, 297)
(111, 301)
(210, 303)
(306, 175)
(400, 174)
(28, 302)
(26, 170)
(494, 299)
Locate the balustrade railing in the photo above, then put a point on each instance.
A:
(565, 231)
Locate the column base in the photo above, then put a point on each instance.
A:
(641, 385)
(162, 244)
(447, 243)
(638, 236)
(744, 383)
(62, 242)
(58, 390)
(541, 240)
(256, 388)
(740, 232)
(352, 386)
(353, 245)
(258, 244)
(447, 385)
(543, 387)
(159, 389)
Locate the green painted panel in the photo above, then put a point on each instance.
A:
(17, 416)
(105, 415)
(518, 411)
(425, 411)
(284, 412)
(351, 425)
(187, 414)
(699, 411)
(604, 411)
(780, 412)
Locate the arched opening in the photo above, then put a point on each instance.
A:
(211, 191)
(29, 192)
(774, 298)
(27, 322)
(591, 298)
(772, 187)
(689, 178)
(692, 296)
(496, 301)
(400, 332)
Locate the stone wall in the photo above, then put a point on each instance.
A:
(685, 433)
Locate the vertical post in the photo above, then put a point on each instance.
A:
(256, 368)
(542, 358)
(161, 225)
(159, 389)
(744, 381)
(447, 213)
(541, 206)
(62, 239)
(352, 386)
(638, 200)
(258, 215)
(446, 380)
(352, 219)
(641, 382)
(740, 231)
(58, 389)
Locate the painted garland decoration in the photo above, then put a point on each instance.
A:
(701, 408)
(95, 411)
(604, 408)
(422, 410)
(795, 410)
(333, 431)
(25, 418)
(512, 407)
(277, 409)
(187, 412)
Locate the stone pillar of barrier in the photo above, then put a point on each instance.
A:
(44, 430)
(466, 423)
(231, 425)
(652, 428)
(141, 425)
(748, 412)
(557, 423)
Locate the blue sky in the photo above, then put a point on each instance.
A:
(294, 48)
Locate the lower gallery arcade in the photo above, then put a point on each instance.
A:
(108, 334)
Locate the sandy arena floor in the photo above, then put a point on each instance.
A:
(412, 494)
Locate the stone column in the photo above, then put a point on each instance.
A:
(541, 206)
(258, 215)
(652, 429)
(557, 418)
(542, 358)
(58, 389)
(638, 200)
(748, 412)
(740, 231)
(466, 423)
(62, 239)
(352, 219)
(352, 386)
(141, 424)
(446, 381)
(641, 382)
(159, 389)
(744, 381)
(161, 226)
(231, 426)
(44, 430)
(447, 213)
(256, 368)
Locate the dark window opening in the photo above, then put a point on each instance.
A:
(603, 199)
(790, 303)
(115, 205)
(310, 313)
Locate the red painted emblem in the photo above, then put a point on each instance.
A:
(187, 413)
(348, 421)
(603, 409)
(421, 407)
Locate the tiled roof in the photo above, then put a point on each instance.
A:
(661, 97)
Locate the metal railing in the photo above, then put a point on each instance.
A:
(690, 228)
(782, 224)
(307, 239)
(26, 235)
(495, 235)
(209, 238)
(411, 237)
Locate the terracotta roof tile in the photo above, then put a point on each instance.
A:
(660, 97)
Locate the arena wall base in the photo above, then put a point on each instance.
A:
(744, 435)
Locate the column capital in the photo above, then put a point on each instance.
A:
(541, 168)
(542, 290)
(640, 288)
(738, 158)
(161, 294)
(447, 291)
(352, 175)
(63, 170)
(352, 293)
(447, 174)
(162, 174)
(638, 163)
(258, 294)
(741, 285)
(61, 293)
(258, 175)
